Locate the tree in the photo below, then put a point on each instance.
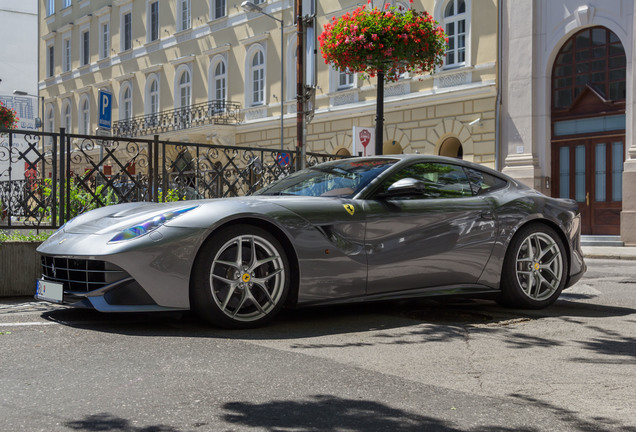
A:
(383, 43)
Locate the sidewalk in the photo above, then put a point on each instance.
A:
(610, 252)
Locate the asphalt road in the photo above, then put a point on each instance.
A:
(448, 365)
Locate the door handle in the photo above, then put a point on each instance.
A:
(587, 199)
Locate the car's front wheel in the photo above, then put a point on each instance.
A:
(535, 268)
(241, 278)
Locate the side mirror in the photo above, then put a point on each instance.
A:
(405, 187)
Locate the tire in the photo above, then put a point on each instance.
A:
(241, 278)
(535, 268)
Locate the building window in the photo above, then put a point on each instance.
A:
(455, 26)
(84, 117)
(104, 43)
(184, 15)
(593, 57)
(50, 120)
(153, 19)
(258, 78)
(219, 86)
(66, 55)
(152, 96)
(66, 3)
(345, 80)
(125, 113)
(86, 48)
(219, 9)
(126, 42)
(49, 124)
(220, 81)
(50, 61)
(50, 7)
(185, 89)
(66, 116)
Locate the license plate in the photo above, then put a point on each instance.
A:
(50, 291)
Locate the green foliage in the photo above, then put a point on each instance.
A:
(15, 236)
(81, 198)
(172, 195)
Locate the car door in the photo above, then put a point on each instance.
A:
(441, 234)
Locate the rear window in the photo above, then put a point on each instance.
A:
(481, 182)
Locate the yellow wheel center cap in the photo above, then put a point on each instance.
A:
(536, 266)
(246, 277)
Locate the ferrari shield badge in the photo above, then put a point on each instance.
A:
(350, 209)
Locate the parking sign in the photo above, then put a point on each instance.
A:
(105, 109)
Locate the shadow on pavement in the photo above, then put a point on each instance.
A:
(434, 320)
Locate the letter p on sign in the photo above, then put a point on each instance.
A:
(105, 110)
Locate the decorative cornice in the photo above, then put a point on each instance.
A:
(104, 11)
(218, 50)
(185, 59)
(49, 36)
(66, 28)
(256, 38)
(152, 69)
(124, 77)
(84, 89)
(84, 20)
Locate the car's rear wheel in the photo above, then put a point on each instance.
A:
(241, 278)
(535, 268)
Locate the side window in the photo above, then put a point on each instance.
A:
(432, 181)
(481, 182)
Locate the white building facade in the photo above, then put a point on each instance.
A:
(567, 114)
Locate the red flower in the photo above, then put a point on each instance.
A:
(8, 117)
(369, 41)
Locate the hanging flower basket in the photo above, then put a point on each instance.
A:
(8, 117)
(392, 41)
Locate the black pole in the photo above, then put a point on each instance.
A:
(379, 115)
(300, 87)
(62, 179)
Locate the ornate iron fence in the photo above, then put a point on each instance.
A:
(48, 178)
(217, 112)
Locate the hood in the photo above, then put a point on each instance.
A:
(118, 217)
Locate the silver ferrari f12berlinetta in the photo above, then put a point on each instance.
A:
(351, 230)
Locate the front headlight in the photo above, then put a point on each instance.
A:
(149, 225)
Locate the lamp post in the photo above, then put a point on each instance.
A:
(251, 7)
(41, 101)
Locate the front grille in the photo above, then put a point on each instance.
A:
(80, 275)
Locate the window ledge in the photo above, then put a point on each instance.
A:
(152, 43)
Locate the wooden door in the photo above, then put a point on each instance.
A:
(590, 171)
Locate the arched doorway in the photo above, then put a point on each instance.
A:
(588, 127)
(451, 147)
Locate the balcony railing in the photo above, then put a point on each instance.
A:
(213, 112)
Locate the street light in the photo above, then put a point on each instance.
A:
(40, 99)
(248, 6)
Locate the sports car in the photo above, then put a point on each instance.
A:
(351, 230)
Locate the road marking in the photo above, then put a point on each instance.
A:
(35, 323)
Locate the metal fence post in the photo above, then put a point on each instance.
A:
(155, 166)
(54, 205)
(9, 208)
(62, 173)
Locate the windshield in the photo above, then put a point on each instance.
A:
(342, 178)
